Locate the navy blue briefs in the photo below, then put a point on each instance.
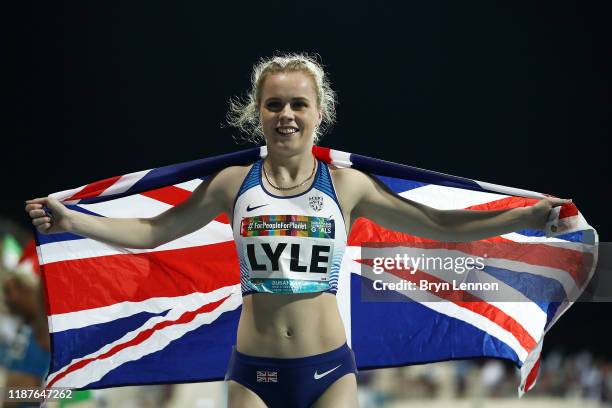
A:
(291, 382)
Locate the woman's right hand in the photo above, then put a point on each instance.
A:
(57, 220)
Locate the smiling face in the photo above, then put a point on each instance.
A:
(289, 112)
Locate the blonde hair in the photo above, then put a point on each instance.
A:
(244, 112)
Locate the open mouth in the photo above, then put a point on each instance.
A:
(286, 130)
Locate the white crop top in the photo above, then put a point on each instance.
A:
(290, 244)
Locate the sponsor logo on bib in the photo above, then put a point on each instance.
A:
(288, 225)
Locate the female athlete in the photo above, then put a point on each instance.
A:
(291, 346)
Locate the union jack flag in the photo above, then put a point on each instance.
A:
(267, 376)
(120, 316)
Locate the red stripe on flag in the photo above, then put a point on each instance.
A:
(140, 338)
(170, 195)
(29, 255)
(102, 281)
(504, 204)
(223, 218)
(531, 377)
(174, 196)
(94, 189)
(322, 153)
(568, 210)
(467, 301)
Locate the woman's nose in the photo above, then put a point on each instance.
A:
(286, 111)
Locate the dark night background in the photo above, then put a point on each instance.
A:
(514, 93)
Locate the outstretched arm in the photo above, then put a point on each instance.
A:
(206, 202)
(370, 198)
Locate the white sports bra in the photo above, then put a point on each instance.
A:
(289, 244)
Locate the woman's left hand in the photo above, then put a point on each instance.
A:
(538, 215)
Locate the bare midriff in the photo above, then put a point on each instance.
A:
(289, 326)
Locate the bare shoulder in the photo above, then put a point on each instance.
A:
(233, 173)
(350, 184)
(226, 184)
(348, 178)
(229, 179)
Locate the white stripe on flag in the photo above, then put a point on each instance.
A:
(190, 185)
(449, 198)
(343, 294)
(105, 314)
(509, 190)
(561, 276)
(528, 365)
(213, 233)
(62, 195)
(340, 159)
(124, 183)
(513, 236)
(132, 206)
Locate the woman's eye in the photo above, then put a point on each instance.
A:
(279, 105)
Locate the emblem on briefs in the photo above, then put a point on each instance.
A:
(267, 376)
(316, 202)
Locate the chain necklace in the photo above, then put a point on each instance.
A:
(314, 166)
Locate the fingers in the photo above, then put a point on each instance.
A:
(44, 228)
(41, 221)
(42, 224)
(555, 202)
(40, 214)
(31, 207)
(34, 212)
(35, 203)
(41, 200)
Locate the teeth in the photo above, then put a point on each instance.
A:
(286, 131)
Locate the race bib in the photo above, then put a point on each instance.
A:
(288, 253)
